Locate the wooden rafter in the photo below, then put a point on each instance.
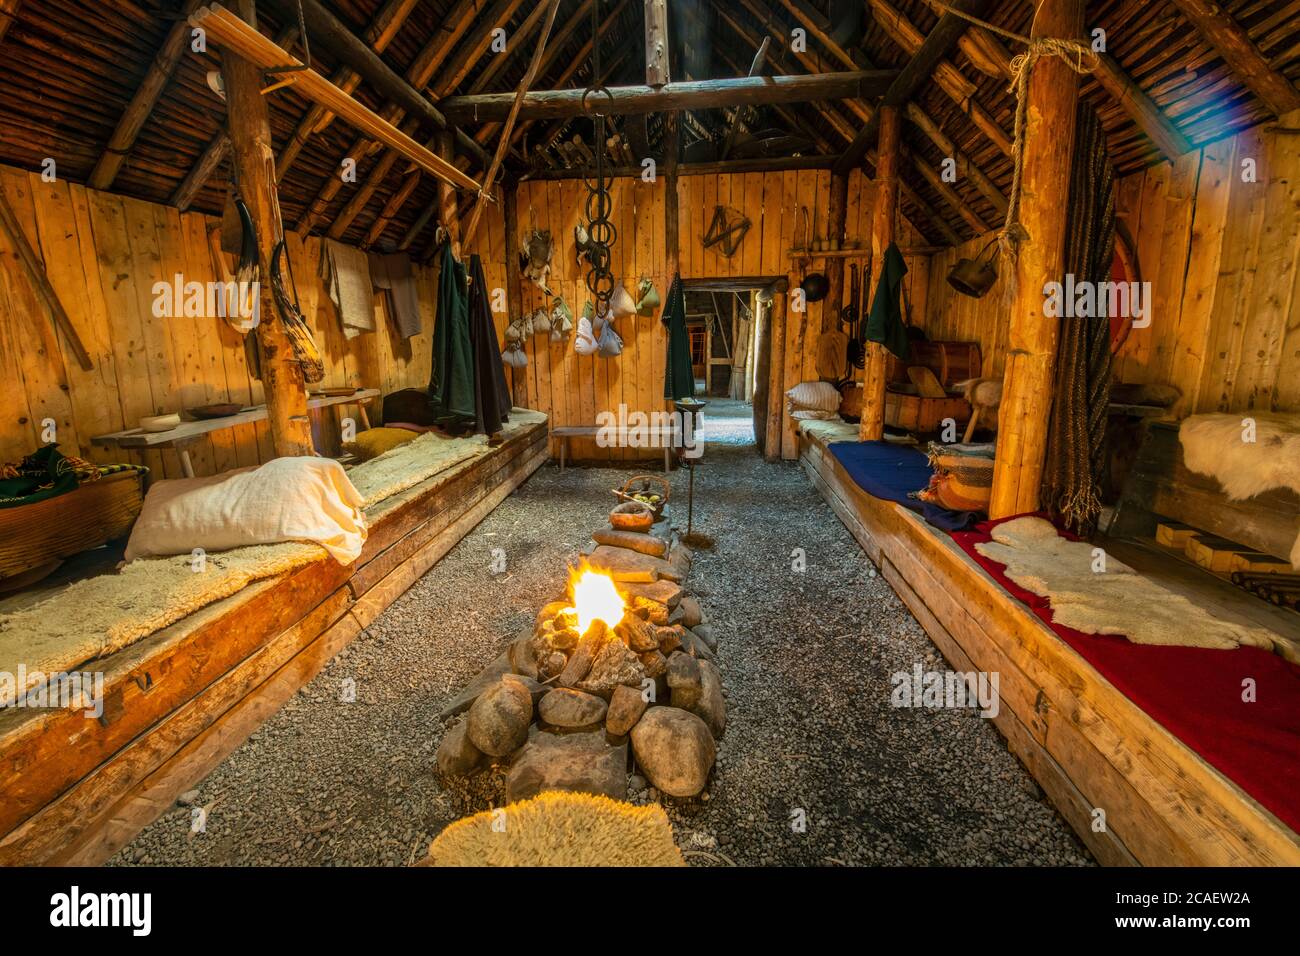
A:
(933, 51)
(685, 95)
(521, 92)
(142, 103)
(817, 26)
(829, 112)
(473, 48)
(418, 75)
(946, 76)
(218, 148)
(381, 31)
(1247, 63)
(845, 130)
(237, 36)
(8, 14)
(1140, 107)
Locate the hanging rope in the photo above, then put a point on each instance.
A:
(1078, 56)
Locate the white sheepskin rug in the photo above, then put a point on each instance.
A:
(1214, 445)
(1118, 601)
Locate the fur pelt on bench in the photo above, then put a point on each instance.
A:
(1221, 446)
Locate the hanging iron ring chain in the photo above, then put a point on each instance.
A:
(600, 230)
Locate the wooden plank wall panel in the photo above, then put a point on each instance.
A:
(1223, 258)
(103, 253)
(573, 389)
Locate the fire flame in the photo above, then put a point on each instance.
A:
(596, 599)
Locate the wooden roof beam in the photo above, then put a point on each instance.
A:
(237, 36)
(571, 68)
(922, 120)
(377, 36)
(218, 148)
(1140, 107)
(1226, 36)
(984, 50)
(344, 44)
(8, 14)
(472, 49)
(941, 41)
(845, 130)
(946, 76)
(687, 95)
(143, 102)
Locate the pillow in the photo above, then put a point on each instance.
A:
(287, 499)
(373, 442)
(821, 395)
(812, 414)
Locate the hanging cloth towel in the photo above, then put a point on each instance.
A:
(885, 323)
(347, 279)
(679, 379)
(491, 394)
(451, 387)
(393, 274)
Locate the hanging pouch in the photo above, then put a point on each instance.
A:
(647, 297)
(584, 343)
(610, 342)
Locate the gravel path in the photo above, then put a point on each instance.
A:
(806, 658)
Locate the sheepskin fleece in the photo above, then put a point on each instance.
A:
(407, 465)
(835, 429)
(1212, 445)
(95, 617)
(560, 829)
(1119, 601)
(98, 616)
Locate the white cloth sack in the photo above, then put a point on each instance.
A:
(584, 343)
(287, 499)
(818, 395)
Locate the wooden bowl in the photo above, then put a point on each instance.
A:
(222, 410)
(632, 516)
(160, 423)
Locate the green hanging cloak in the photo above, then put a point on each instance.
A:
(679, 379)
(885, 323)
(451, 387)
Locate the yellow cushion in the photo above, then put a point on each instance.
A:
(373, 442)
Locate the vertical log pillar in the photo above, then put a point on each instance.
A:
(774, 353)
(448, 212)
(1045, 185)
(835, 266)
(250, 141)
(883, 223)
(672, 239)
(656, 43)
(514, 293)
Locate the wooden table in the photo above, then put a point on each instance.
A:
(187, 433)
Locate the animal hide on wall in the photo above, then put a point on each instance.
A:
(1219, 445)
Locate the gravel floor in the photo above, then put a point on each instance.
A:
(806, 658)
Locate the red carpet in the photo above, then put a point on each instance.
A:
(1195, 693)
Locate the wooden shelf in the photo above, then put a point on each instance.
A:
(858, 253)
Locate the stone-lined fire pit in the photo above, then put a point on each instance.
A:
(625, 657)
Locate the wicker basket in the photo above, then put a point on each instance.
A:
(644, 484)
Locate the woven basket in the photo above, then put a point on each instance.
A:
(644, 484)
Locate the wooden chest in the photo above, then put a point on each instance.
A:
(37, 537)
(904, 408)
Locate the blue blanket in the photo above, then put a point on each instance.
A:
(892, 472)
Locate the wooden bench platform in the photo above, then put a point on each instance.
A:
(74, 790)
(1088, 745)
(565, 432)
